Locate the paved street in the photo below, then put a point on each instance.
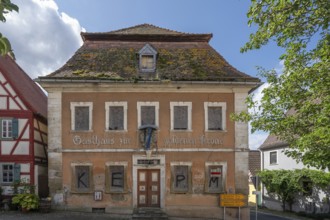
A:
(60, 215)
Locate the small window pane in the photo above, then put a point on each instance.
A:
(147, 62)
(273, 157)
(215, 118)
(180, 117)
(148, 115)
(82, 118)
(82, 177)
(117, 178)
(116, 118)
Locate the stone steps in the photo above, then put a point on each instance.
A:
(149, 214)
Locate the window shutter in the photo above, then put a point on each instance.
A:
(15, 127)
(17, 172)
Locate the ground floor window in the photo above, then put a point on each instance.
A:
(82, 178)
(215, 174)
(116, 177)
(180, 177)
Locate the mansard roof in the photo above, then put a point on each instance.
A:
(30, 93)
(180, 57)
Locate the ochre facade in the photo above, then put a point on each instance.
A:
(181, 161)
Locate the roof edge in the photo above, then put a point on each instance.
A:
(146, 37)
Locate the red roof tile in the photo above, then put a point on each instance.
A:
(30, 93)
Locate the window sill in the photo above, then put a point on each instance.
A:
(184, 131)
(81, 131)
(116, 131)
(216, 131)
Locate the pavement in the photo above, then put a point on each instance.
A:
(67, 215)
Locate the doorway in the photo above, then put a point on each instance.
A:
(148, 188)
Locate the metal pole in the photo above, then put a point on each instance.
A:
(257, 197)
(224, 212)
(239, 213)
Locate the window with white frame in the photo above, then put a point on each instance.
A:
(148, 113)
(116, 116)
(181, 115)
(9, 128)
(116, 177)
(9, 173)
(181, 177)
(215, 174)
(81, 116)
(215, 116)
(82, 178)
(273, 157)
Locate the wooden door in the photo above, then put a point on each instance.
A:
(148, 188)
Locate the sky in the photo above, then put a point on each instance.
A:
(46, 33)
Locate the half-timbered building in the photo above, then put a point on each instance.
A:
(140, 117)
(23, 130)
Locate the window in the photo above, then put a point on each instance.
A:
(116, 177)
(9, 128)
(148, 113)
(215, 116)
(9, 173)
(81, 116)
(181, 115)
(180, 177)
(307, 186)
(273, 157)
(147, 56)
(82, 178)
(116, 116)
(215, 173)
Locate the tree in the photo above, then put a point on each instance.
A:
(286, 185)
(296, 105)
(5, 7)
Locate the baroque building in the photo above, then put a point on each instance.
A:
(140, 117)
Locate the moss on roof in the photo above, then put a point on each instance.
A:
(117, 58)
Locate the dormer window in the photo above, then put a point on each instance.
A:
(147, 59)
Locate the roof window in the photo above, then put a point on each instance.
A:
(147, 59)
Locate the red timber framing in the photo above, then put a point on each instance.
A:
(22, 99)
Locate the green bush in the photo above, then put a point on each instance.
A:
(26, 201)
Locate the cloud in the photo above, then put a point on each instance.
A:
(258, 137)
(42, 38)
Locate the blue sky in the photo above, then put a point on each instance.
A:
(46, 33)
(226, 20)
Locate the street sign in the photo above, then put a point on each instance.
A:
(232, 200)
(256, 192)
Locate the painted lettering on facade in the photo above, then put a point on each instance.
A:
(202, 140)
(98, 141)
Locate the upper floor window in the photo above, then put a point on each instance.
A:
(147, 58)
(116, 116)
(148, 113)
(273, 157)
(215, 116)
(9, 128)
(81, 116)
(181, 115)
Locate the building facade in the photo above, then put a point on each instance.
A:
(274, 158)
(140, 117)
(23, 130)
